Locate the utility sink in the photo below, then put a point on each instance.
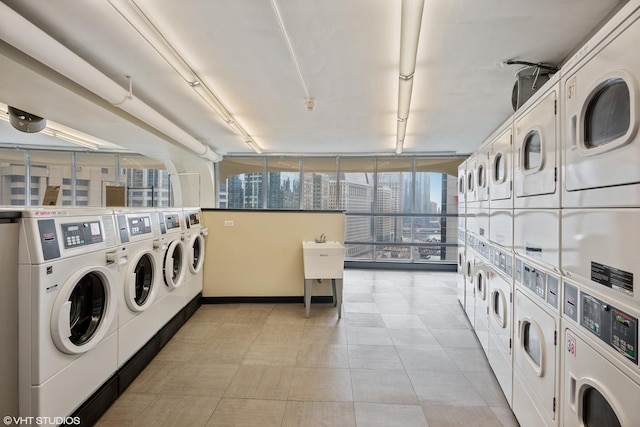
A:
(323, 260)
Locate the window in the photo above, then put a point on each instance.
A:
(283, 183)
(499, 168)
(532, 344)
(481, 176)
(608, 113)
(532, 151)
(596, 411)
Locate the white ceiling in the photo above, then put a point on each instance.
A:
(347, 50)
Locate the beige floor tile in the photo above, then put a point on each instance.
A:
(385, 415)
(196, 333)
(323, 356)
(368, 336)
(153, 378)
(323, 315)
(426, 358)
(319, 414)
(488, 387)
(235, 331)
(200, 380)
(323, 335)
(177, 411)
(383, 387)
(321, 384)
(251, 314)
(403, 321)
(505, 416)
(469, 359)
(412, 337)
(281, 333)
(444, 388)
(357, 297)
(126, 410)
(455, 338)
(460, 416)
(287, 314)
(360, 307)
(179, 351)
(364, 320)
(445, 321)
(272, 354)
(260, 382)
(223, 351)
(248, 413)
(216, 313)
(374, 357)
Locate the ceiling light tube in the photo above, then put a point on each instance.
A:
(70, 138)
(409, 35)
(405, 87)
(213, 102)
(251, 143)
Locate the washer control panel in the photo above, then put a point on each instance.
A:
(612, 325)
(81, 234)
(139, 225)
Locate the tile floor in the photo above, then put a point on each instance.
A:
(403, 354)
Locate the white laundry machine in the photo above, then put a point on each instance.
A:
(600, 250)
(67, 308)
(500, 187)
(195, 247)
(174, 262)
(536, 357)
(536, 235)
(501, 318)
(138, 311)
(482, 273)
(536, 150)
(601, 376)
(601, 114)
(481, 171)
(469, 271)
(470, 198)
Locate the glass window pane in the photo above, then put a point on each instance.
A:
(91, 182)
(147, 181)
(532, 150)
(532, 344)
(596, 411)
(356, 184)
(12, 177)
(241, 183)
(51, 168)
(608, 114)
(319, 190)
(283, 183)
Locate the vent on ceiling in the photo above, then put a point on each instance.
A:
(26, 122)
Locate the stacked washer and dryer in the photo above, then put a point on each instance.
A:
(601, 227)
(194, 245)
(563, 240)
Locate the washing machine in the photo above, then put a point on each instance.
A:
(536, 351)
(601, 376)
(470, 198)
(67, 308)
(195, 247)
(174, 262)
(141, 277)
(501, 318)
(501, 187)
(469, 271)
(601, 114)
(481, 279)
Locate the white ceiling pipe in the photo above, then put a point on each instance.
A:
(26, 37)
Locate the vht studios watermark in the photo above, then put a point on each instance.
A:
(41, 421)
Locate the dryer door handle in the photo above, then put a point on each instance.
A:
(574, 132)
(572, 393)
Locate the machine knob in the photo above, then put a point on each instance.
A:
(605, 307)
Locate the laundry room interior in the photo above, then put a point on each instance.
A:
(303, 213)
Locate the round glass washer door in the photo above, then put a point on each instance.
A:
(196, 254)
(140, 288)
(174, 264)
(83, 310)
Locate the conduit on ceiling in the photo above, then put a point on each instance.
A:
(26, 37)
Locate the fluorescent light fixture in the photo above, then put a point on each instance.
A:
(251, 143)
(411, 21)
(136, 17)
(70, 138)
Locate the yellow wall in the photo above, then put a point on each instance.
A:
(261, 254)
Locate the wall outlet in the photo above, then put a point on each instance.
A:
(228, 223)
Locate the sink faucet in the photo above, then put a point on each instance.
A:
(322, 239)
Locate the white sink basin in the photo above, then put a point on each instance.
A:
(323, 260)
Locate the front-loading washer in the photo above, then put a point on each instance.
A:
(174, 262)
(461, 273)
(67, 305)
(536, 358)
(481, 271)
(469, 271)
(501, 318)
(138, 311)
(601, 376)
(195, 247)
(601, 116)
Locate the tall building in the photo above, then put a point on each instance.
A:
(252, 191)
